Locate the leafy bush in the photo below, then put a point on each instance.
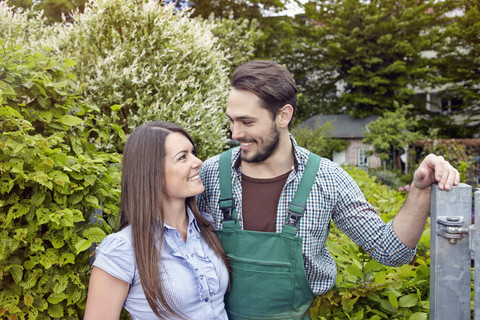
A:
(366, 289)
(52, 181)
(22, 26)
(388, 178)
(153, 63)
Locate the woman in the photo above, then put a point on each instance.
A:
(166, 261)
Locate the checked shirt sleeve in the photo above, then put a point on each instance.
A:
(359, 220)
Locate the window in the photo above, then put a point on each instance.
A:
(362, 157)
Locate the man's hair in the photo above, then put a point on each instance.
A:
(268, 80)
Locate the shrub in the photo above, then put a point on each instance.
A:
(319, 140)
(154, 63)
(366, 289)
(22, 26)
(52, 181)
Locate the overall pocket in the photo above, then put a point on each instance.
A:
(260, 289)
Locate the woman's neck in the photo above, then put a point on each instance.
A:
(176, 217)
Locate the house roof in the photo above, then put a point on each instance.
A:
(344, 126)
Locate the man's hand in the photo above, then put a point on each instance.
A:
(436, 169)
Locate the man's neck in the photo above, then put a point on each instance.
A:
(280, 162)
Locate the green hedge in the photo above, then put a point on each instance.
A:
(366, 289)
(52, 181)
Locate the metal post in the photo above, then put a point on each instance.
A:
(450, 261)
(476, 248)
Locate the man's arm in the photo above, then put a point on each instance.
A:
(409, 222)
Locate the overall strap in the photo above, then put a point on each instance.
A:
(297, 206)
(227, 204)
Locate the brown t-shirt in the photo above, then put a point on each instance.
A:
(260, 201)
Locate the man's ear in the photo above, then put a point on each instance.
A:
(284, 116)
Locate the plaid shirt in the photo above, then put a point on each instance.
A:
(334, 196)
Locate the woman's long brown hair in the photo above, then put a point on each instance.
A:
(141, 208)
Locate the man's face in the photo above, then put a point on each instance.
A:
(252, 125)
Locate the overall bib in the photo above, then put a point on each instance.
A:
(268, 275)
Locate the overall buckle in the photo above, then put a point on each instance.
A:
(295, 212)
(293, 218)
(227, 209)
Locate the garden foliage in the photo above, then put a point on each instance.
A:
(319, 140)
(52, 181)
(366, 289)
(154, 63)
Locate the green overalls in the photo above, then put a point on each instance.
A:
(268, 274)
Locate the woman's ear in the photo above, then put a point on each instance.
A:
(284, 116)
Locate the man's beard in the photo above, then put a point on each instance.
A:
(271, 144)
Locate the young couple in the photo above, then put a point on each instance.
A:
(254, 246)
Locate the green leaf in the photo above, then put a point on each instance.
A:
(16, 271)
(70, 63)
(37, 199)
(45, 115)
(61, 283)
(55, 310)
(354, 270)
(408, 301)
(41, 178)
(43, 215)
(16, 211)
(419, 316)
(6, 88)
(70, 120)
(373, 265)
(59, 177)
(393, 299)
(95, 234)
(67, 258)
(82, 245)
(28, 300)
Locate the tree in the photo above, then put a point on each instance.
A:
(372, 51)
(391, 132)
(459, 65)
(53, 10)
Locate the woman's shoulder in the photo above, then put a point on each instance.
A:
(115, 255)
(117, 240)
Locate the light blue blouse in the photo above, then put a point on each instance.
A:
(193, 275)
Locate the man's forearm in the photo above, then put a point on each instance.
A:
(409, 222)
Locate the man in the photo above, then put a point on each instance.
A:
(265, 172)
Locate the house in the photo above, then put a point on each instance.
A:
(352, 130)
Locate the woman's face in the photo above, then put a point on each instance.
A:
(181, 168)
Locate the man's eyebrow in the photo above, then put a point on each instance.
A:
(241, 118)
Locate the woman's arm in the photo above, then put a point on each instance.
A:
(106, 295)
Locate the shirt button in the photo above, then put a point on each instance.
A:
(206, 300)
(192, 255)
(190, 230)
(201, 277)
